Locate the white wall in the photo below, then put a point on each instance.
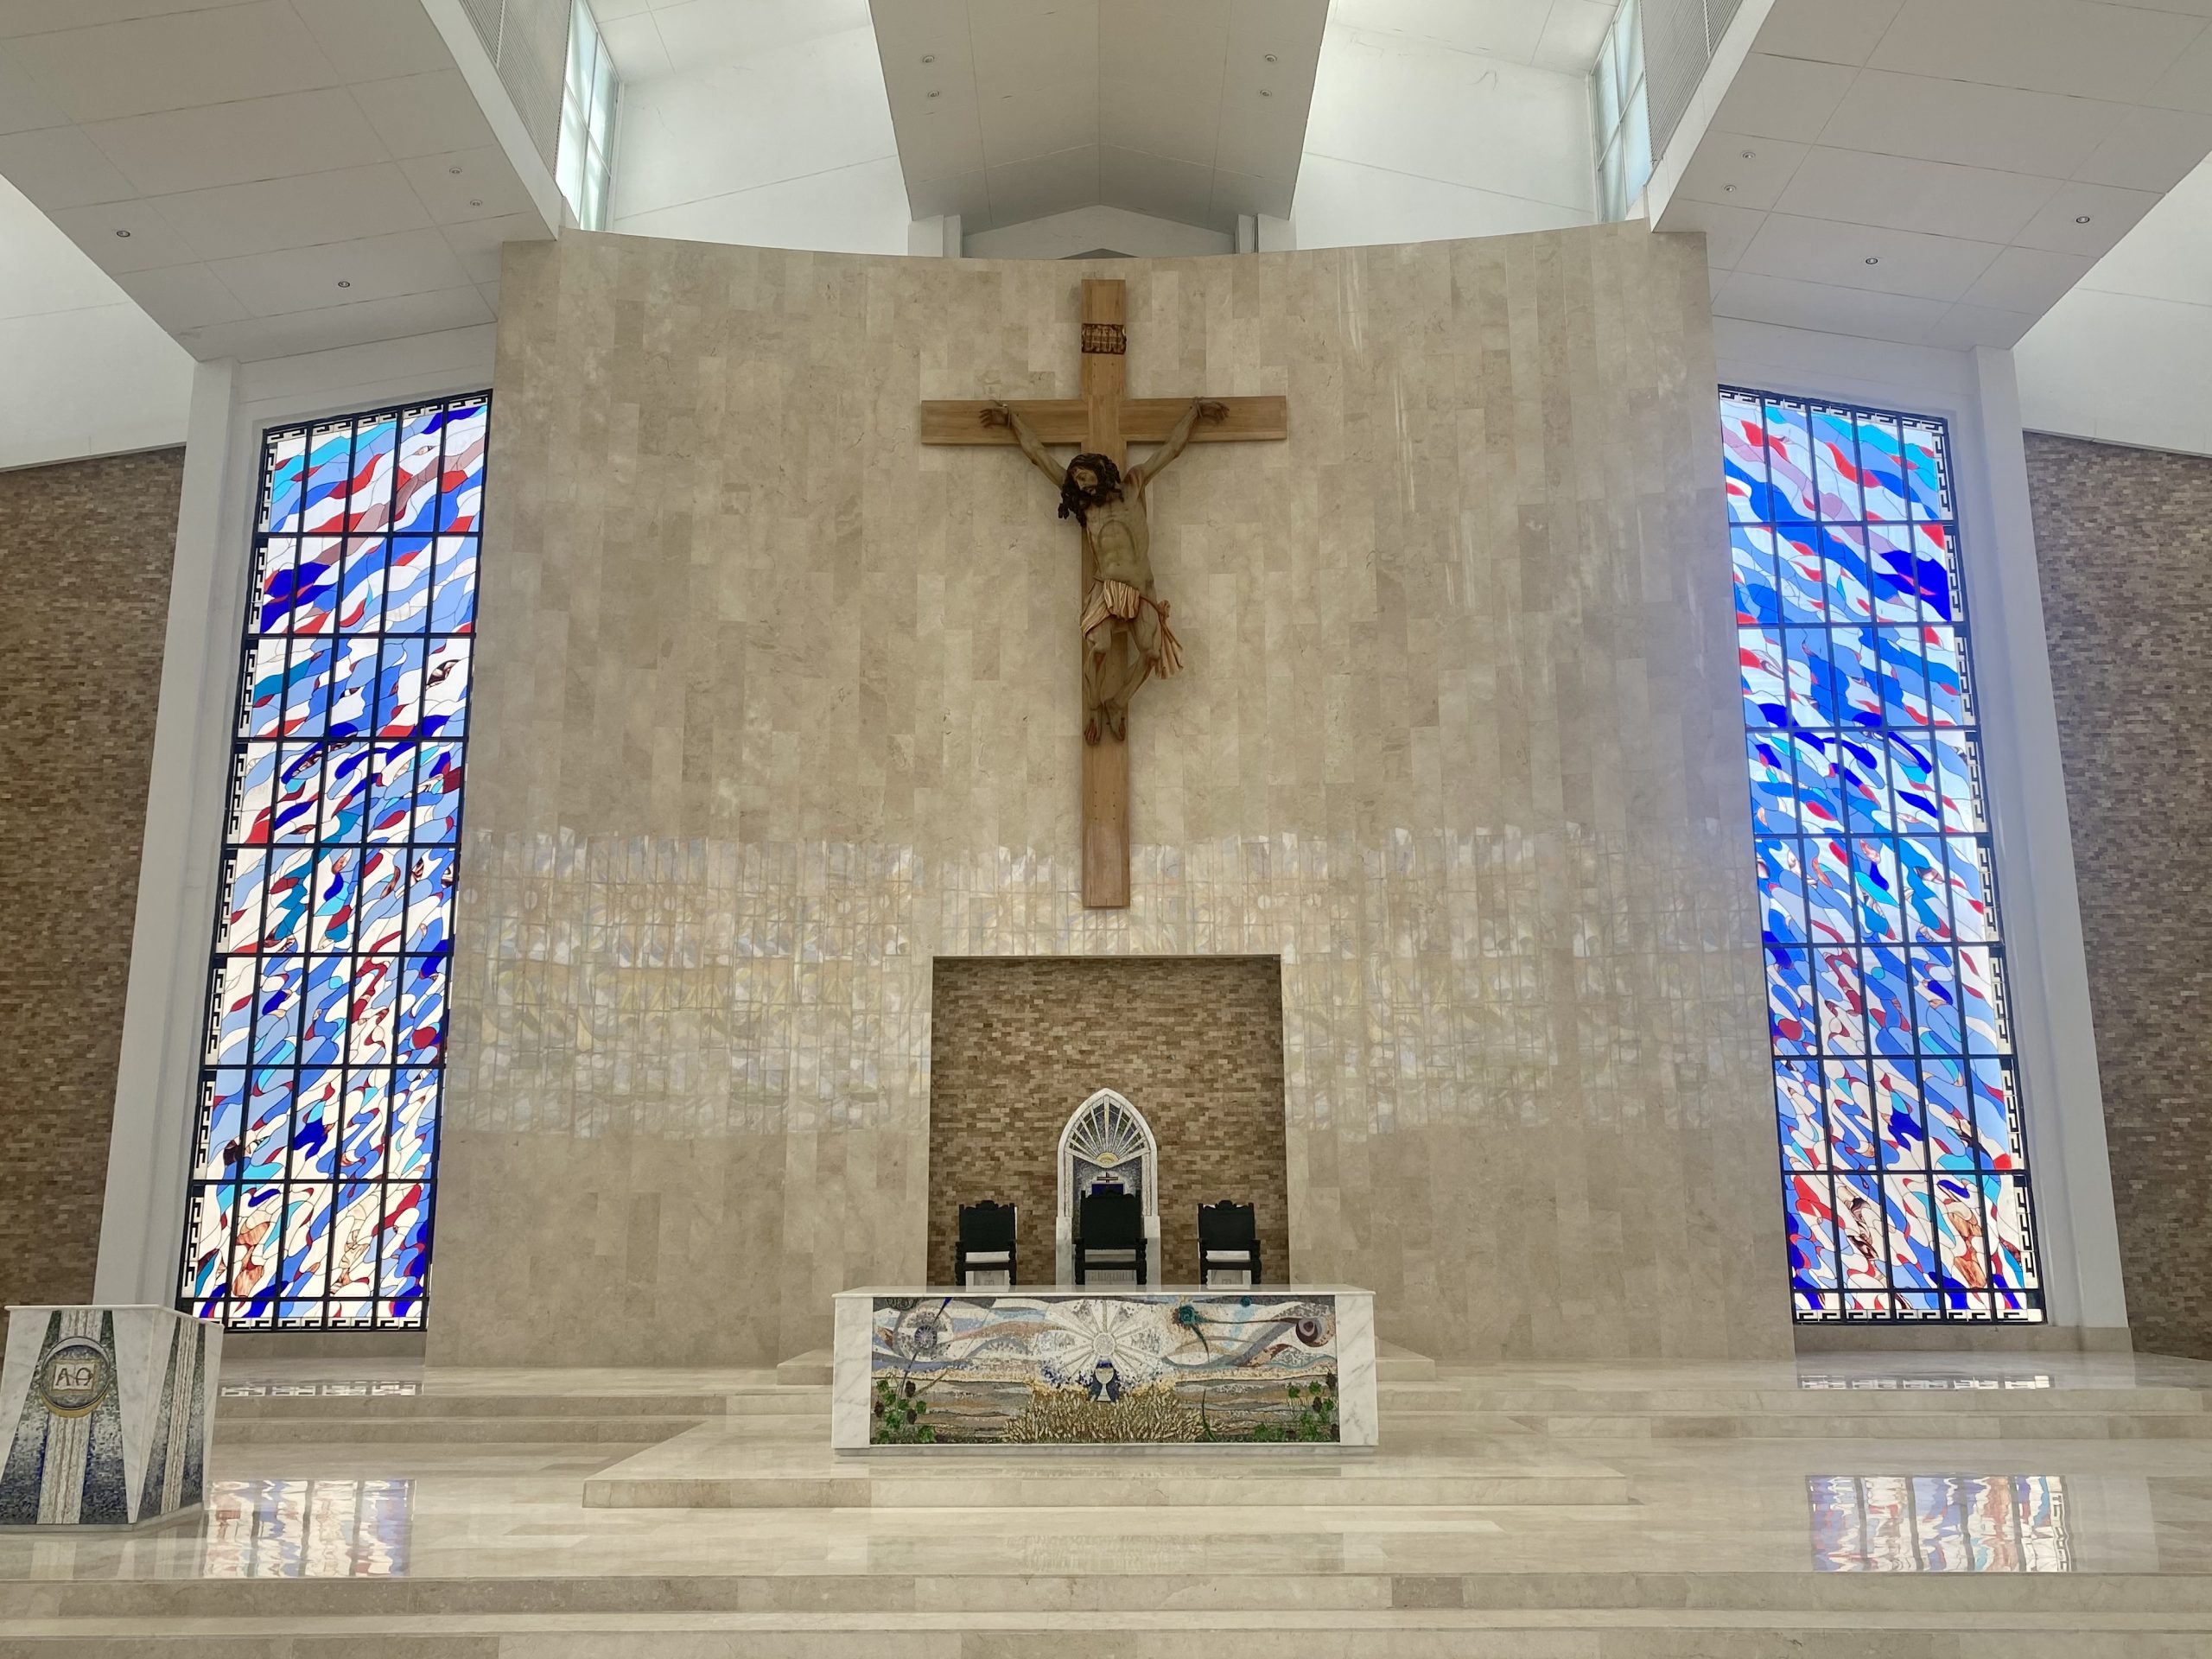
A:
(764, 124)
(2126, 356)
(1413, 138)
(85, 371)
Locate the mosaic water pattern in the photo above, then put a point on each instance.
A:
(314, 1163)
(1939, 1523)
(1896, 1092)
(1081, 1369)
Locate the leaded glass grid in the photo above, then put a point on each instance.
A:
(1903, 1164)
(314, 1160)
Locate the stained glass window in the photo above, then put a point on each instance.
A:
(314, 1161)
(1897, 1098)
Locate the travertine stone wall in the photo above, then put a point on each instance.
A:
(775, 707)
(1194, 1043)
(85, 549)
(2124, 540)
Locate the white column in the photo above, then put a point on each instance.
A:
(2069, 1167)
(164, 1009)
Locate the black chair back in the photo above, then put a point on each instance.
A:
(1110, 1221)
(987, 1226)
(1227, 1226)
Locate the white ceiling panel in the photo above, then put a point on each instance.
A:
(1832, 31)
(2079, 48)
(1960, 163)
(1862, 257)
(2028, 280)
(1783, 98)
(1572, 38)
(1907, 195)
(173, 61)
(60, 167)
(1974, 126)
(374, 41)
(273, 213)
(1006, 106)
(22, 106)
(2151, 150)
(342, 273)
(182, 297)
(2085, 219)
(466, 184)
(231, 164)
(216, 144)
(424, 115)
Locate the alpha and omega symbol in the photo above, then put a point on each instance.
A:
(75, 1375)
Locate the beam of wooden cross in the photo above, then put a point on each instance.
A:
(1105, 422)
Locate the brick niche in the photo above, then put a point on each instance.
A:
(1017, 1043)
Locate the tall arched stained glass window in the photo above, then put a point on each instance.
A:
(1903, 1167)
(314, 1163)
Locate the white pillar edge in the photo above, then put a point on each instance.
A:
(2046, 958)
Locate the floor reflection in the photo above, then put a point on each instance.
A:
(308, 1528)
(1939, 1523)
(362, 1389)
(1817, 1380)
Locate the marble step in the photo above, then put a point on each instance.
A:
(751, 1402)
(1213, 1589)
(631, 1429)
(1431, 1426)
(1486, 1394)
(1142, 1633)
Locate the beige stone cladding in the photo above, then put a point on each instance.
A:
(1017, 1043)
(776, 707)
(2124, 541)
(86, 547)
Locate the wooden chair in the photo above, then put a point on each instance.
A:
(986, 1241)
(1109, 1234)
(1229, 1241)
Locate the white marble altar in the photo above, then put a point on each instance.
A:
(109, 1412)
(1093, 1366)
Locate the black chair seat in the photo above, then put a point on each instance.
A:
(1229, 1241)
(986, 1241)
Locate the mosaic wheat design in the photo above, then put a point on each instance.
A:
(1897, 1097)
(325, 1047)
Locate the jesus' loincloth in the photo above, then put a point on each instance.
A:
(1109, 600)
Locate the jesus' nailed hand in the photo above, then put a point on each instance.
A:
(1125, 634)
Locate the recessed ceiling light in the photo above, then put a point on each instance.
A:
(476, 201)
(343, 282)
(932, 94)
(1264, 93)
(1749, 155)
(453, 169)
(1269, 56)
(928, 57)
(2081, 218)
(1730, 189)
(123, 232)
(1872, 260)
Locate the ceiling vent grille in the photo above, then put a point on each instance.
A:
(528, 42)
(1680, 37)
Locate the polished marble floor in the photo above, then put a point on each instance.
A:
(1919, 1505)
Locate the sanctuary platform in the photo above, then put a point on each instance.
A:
(1929, 1506)
(1099, 1365)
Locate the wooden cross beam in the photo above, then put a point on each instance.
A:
(1105, 422)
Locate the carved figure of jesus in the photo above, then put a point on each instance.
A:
(1125, 639)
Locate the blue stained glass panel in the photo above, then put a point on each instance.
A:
(315, 1167)
(1896, 1097)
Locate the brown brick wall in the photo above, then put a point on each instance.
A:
(1017, 1043)
(84, 553)
(2125, 540)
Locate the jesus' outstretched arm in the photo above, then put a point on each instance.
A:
(1159, 461)
(1031, 445)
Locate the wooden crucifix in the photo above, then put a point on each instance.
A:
(1123, 631)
